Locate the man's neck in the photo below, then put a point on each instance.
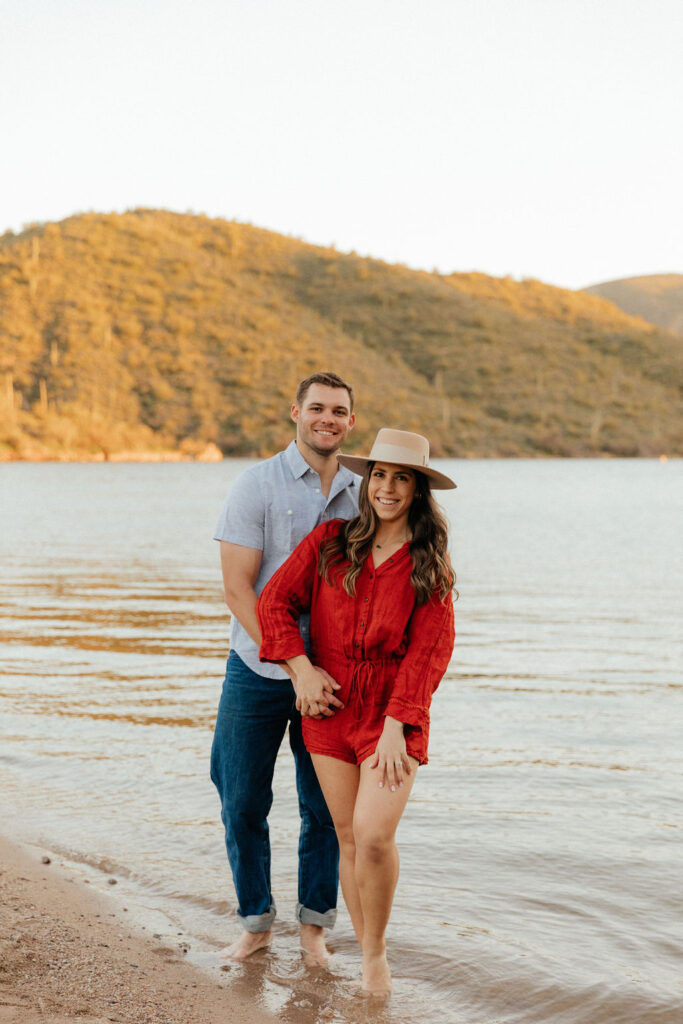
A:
(325, 465)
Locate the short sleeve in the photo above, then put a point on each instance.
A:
(242, 518)
(431, 635)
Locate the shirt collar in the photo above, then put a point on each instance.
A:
(298, 466)
(296, 461)
(342, 478)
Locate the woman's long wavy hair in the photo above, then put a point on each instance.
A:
(432, 568)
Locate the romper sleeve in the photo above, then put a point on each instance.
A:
(431, 635)
(287, 595)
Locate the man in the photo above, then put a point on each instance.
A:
(270, 508)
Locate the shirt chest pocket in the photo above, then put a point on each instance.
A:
(279, 532)
(285, 528)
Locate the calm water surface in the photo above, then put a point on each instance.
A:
(541, 852)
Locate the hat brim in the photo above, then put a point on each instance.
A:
(438, 481)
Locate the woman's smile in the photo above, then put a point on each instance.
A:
(391, 490)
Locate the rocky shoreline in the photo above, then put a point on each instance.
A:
(68, 954)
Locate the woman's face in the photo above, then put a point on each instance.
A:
(391, 490)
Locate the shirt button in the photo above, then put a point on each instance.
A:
(366, 599)
(317, 490)
(357, 645)
(289, 512)
(362, 623)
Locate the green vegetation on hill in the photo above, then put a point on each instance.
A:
(658, 298)
(152, 331)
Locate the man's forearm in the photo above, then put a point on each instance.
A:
(242, 605)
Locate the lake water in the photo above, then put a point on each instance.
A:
(541, 852)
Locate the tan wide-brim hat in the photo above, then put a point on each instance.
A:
(402, 448)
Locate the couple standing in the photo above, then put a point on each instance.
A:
(342, 627)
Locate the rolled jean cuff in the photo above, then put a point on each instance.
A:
(258, 922)
(306, 916)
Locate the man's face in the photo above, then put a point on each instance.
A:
(323, 420)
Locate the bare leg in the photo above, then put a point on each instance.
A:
(376, 817)
(339, 783)
(247, 944)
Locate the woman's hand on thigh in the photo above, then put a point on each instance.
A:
(390, 759)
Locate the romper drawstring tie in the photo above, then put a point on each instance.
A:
(363, 679)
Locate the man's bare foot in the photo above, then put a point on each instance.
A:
(247, 944)
(316, 953)
(376, 975)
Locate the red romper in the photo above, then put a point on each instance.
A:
(388, 653)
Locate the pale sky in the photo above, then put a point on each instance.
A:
(536, 138)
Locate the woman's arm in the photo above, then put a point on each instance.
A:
(284, 598)
(431, 635)
(430, 645)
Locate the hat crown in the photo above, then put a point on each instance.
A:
(400, 446)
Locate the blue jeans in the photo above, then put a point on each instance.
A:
(253, 715)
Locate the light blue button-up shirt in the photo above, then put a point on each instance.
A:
(272, 506)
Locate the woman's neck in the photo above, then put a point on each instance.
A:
(391, 534)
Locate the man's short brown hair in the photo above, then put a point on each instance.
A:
(329, 380)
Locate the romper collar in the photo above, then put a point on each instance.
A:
(388, 563)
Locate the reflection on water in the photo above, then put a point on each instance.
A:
(540, 876)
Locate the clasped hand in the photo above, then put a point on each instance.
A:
(314, 688)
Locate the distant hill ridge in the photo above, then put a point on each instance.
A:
(657, 298)
(151, 332)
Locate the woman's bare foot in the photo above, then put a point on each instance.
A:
(247, 944)
(316, 953)
(376, 979)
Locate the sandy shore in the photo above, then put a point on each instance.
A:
(68, 954)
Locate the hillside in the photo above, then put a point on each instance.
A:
(657, 298)
(152, 331)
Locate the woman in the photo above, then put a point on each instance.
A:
(379, 591)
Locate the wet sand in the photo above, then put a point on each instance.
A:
(68, 954)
